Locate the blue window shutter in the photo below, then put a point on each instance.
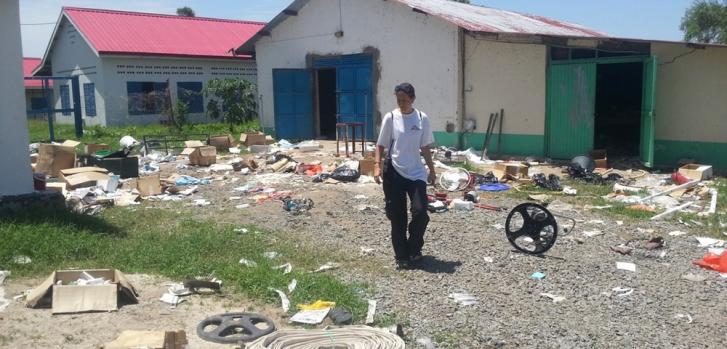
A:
(191, 94)
(65, 99)
(89, 98)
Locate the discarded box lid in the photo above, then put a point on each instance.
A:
(70, 143)
(696, 171)
(72, 171)
(84, 179)
(149, 340)
(193, 144)
(66, 298)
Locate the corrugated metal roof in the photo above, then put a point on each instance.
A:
(489, 20)
(470, 17)
(29, 64)
(134, 33)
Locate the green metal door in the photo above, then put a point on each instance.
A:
(571, 109)
(647, 111)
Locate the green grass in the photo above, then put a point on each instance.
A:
(166, 243)
(38, 130)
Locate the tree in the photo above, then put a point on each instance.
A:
(706, 21)
(232, 100)
(185, 12)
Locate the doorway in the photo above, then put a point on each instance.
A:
(327, 103)
(619, 97)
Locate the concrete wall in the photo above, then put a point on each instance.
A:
(511, 77)
(412, 47)
(15, 173)
(71, 55)
(691, 104)
(117, 71)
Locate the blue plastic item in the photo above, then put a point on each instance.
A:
(494, 187)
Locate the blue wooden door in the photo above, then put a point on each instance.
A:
(354, 101)
(293, 99)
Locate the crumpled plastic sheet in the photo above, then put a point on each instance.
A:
(189, 180)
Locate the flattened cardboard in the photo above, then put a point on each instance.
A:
(70, 143)
(84, 179)
(76, 299)
(149, 340)
(193, 144)
(54, 158)
(149, 185)
(72, 171)
(203, 156)
(57, 186)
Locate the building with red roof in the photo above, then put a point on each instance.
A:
(132, 66)
(35, 99)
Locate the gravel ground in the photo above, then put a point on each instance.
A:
(664, 310)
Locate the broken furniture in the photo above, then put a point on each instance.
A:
(349, 127)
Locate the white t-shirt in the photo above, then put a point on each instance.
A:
(409, 133)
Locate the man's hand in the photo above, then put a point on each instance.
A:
(377, 174)
(432, 178)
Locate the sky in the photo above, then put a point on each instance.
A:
(644, 19)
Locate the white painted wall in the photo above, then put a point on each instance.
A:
(413, 47)
(15, 173)
(117, 71)
(510, 76)
(71, 55)
(691, 102)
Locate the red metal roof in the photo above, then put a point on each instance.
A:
(134, 33)
(484, 19)
(29, 64)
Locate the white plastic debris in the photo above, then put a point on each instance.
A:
(3, 301)
(488, 259)
(179, 290)
(270, 255)
(592, 233)
(677, 233)
(371, 312)
(171, 299)
(425, 343)
(220, 168)
(201, 202)
(241, 230)
(242, 206)
(287, 268)
(247, 262)
(3, 275)
(709, 242)
(463, 298)
(311, 317)
(360, 197)
(327, 266)
(366, 251)
(292, 285)
(498, 226)
(623, 291)
(22, 259)
(684, 316)
(283, 299)
(235, 150)
(619, 222)
(626, 266)
(596, 221)
(570, 191)
(555, 298)
(128, 142)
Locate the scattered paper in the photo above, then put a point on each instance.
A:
(292, 285)
(201, 202)
(287, 268)
(367, 251)
(242, 206)
(556, 299)
(463, 298)
(677, 233)
(371, 312)
(626, 266)
(709, 242)
(311, 317)
(488, 259)
(498, 226)
(270, 255)
(179, 290)
(171, 299)
(596, 221)
(327, 266)
(619, 222)
(22, 259)
(247, 262)
(592, 233)
(241, 230)
(623, 291)
(570, 191)
(360, 197)
(283, 299)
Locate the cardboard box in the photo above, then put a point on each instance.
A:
(203, 156)
(54, 158)
(149, 185)
(193, 144)
(68, 298)
(249, 139)
(56, 186)
(512, 169)
(600, 157)
(223, 142)
(70, 143)
(149, 340)
(366, 167)
(91, 149)
(77, 170)
(696, 171)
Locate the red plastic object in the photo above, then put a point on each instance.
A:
(679, 178)
(714, 262)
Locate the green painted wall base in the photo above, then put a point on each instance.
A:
(512, 144)
(668, 153)
(269, 130)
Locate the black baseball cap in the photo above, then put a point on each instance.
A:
(406, 88)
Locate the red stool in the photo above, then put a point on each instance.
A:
(349, 127)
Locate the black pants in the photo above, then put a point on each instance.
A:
(396, 189)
